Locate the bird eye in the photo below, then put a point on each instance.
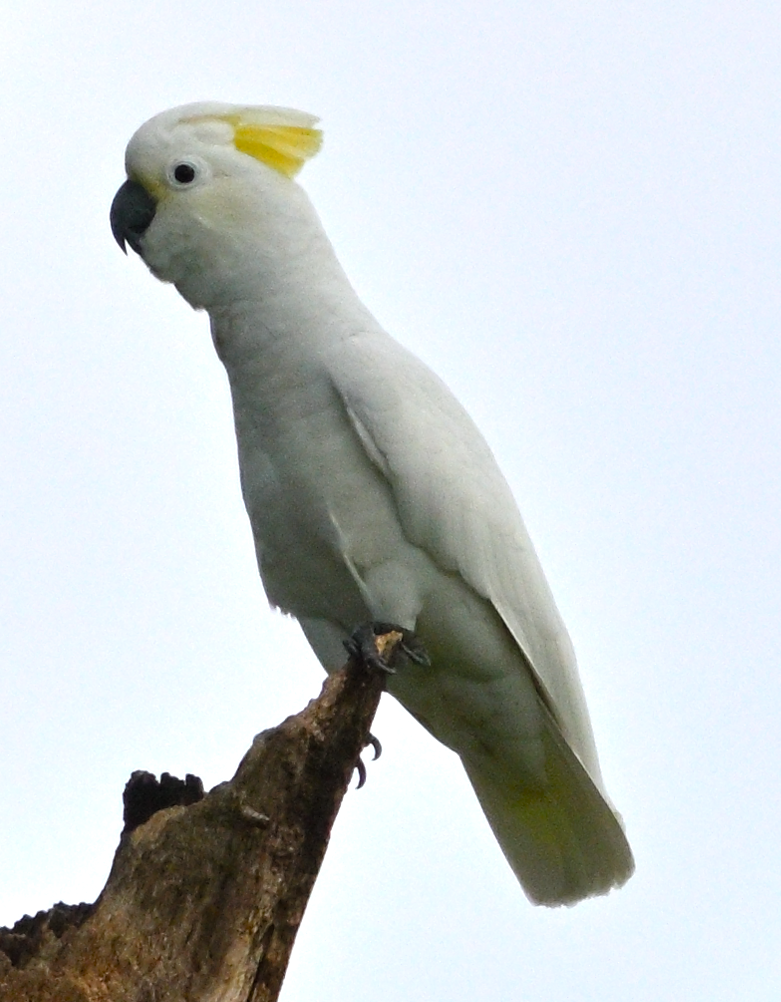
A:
(184, 173)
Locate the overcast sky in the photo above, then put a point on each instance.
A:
(571, 211)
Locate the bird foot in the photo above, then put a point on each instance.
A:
(380, 646)
(370, 642)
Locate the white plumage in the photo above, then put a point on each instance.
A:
(372, 495)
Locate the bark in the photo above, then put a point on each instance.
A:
(204, 901)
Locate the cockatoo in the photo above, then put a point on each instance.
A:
(371, 493)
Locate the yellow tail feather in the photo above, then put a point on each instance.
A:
(563, 841)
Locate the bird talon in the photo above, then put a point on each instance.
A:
(360, 768)
(375, 743)
(362, 645)
(415, 651)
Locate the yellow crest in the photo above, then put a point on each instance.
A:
(279, 137)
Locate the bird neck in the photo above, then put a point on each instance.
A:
(278, 296)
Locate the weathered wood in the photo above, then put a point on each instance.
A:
(203, 902)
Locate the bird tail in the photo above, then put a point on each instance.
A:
(562, 839)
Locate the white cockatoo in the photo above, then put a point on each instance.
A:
(372, 495)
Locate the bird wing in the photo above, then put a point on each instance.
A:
(454, 503)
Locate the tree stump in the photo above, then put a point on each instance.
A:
(203, 902)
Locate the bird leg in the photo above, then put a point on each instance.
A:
(377, 646)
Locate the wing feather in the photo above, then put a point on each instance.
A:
(454, 503)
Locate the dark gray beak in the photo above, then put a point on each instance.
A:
(132, 210)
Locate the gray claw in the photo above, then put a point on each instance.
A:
(360, 768)
(414, 650)
(362, 645)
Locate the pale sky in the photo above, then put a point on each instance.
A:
(570, 210)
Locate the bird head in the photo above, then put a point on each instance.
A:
(202, 177)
